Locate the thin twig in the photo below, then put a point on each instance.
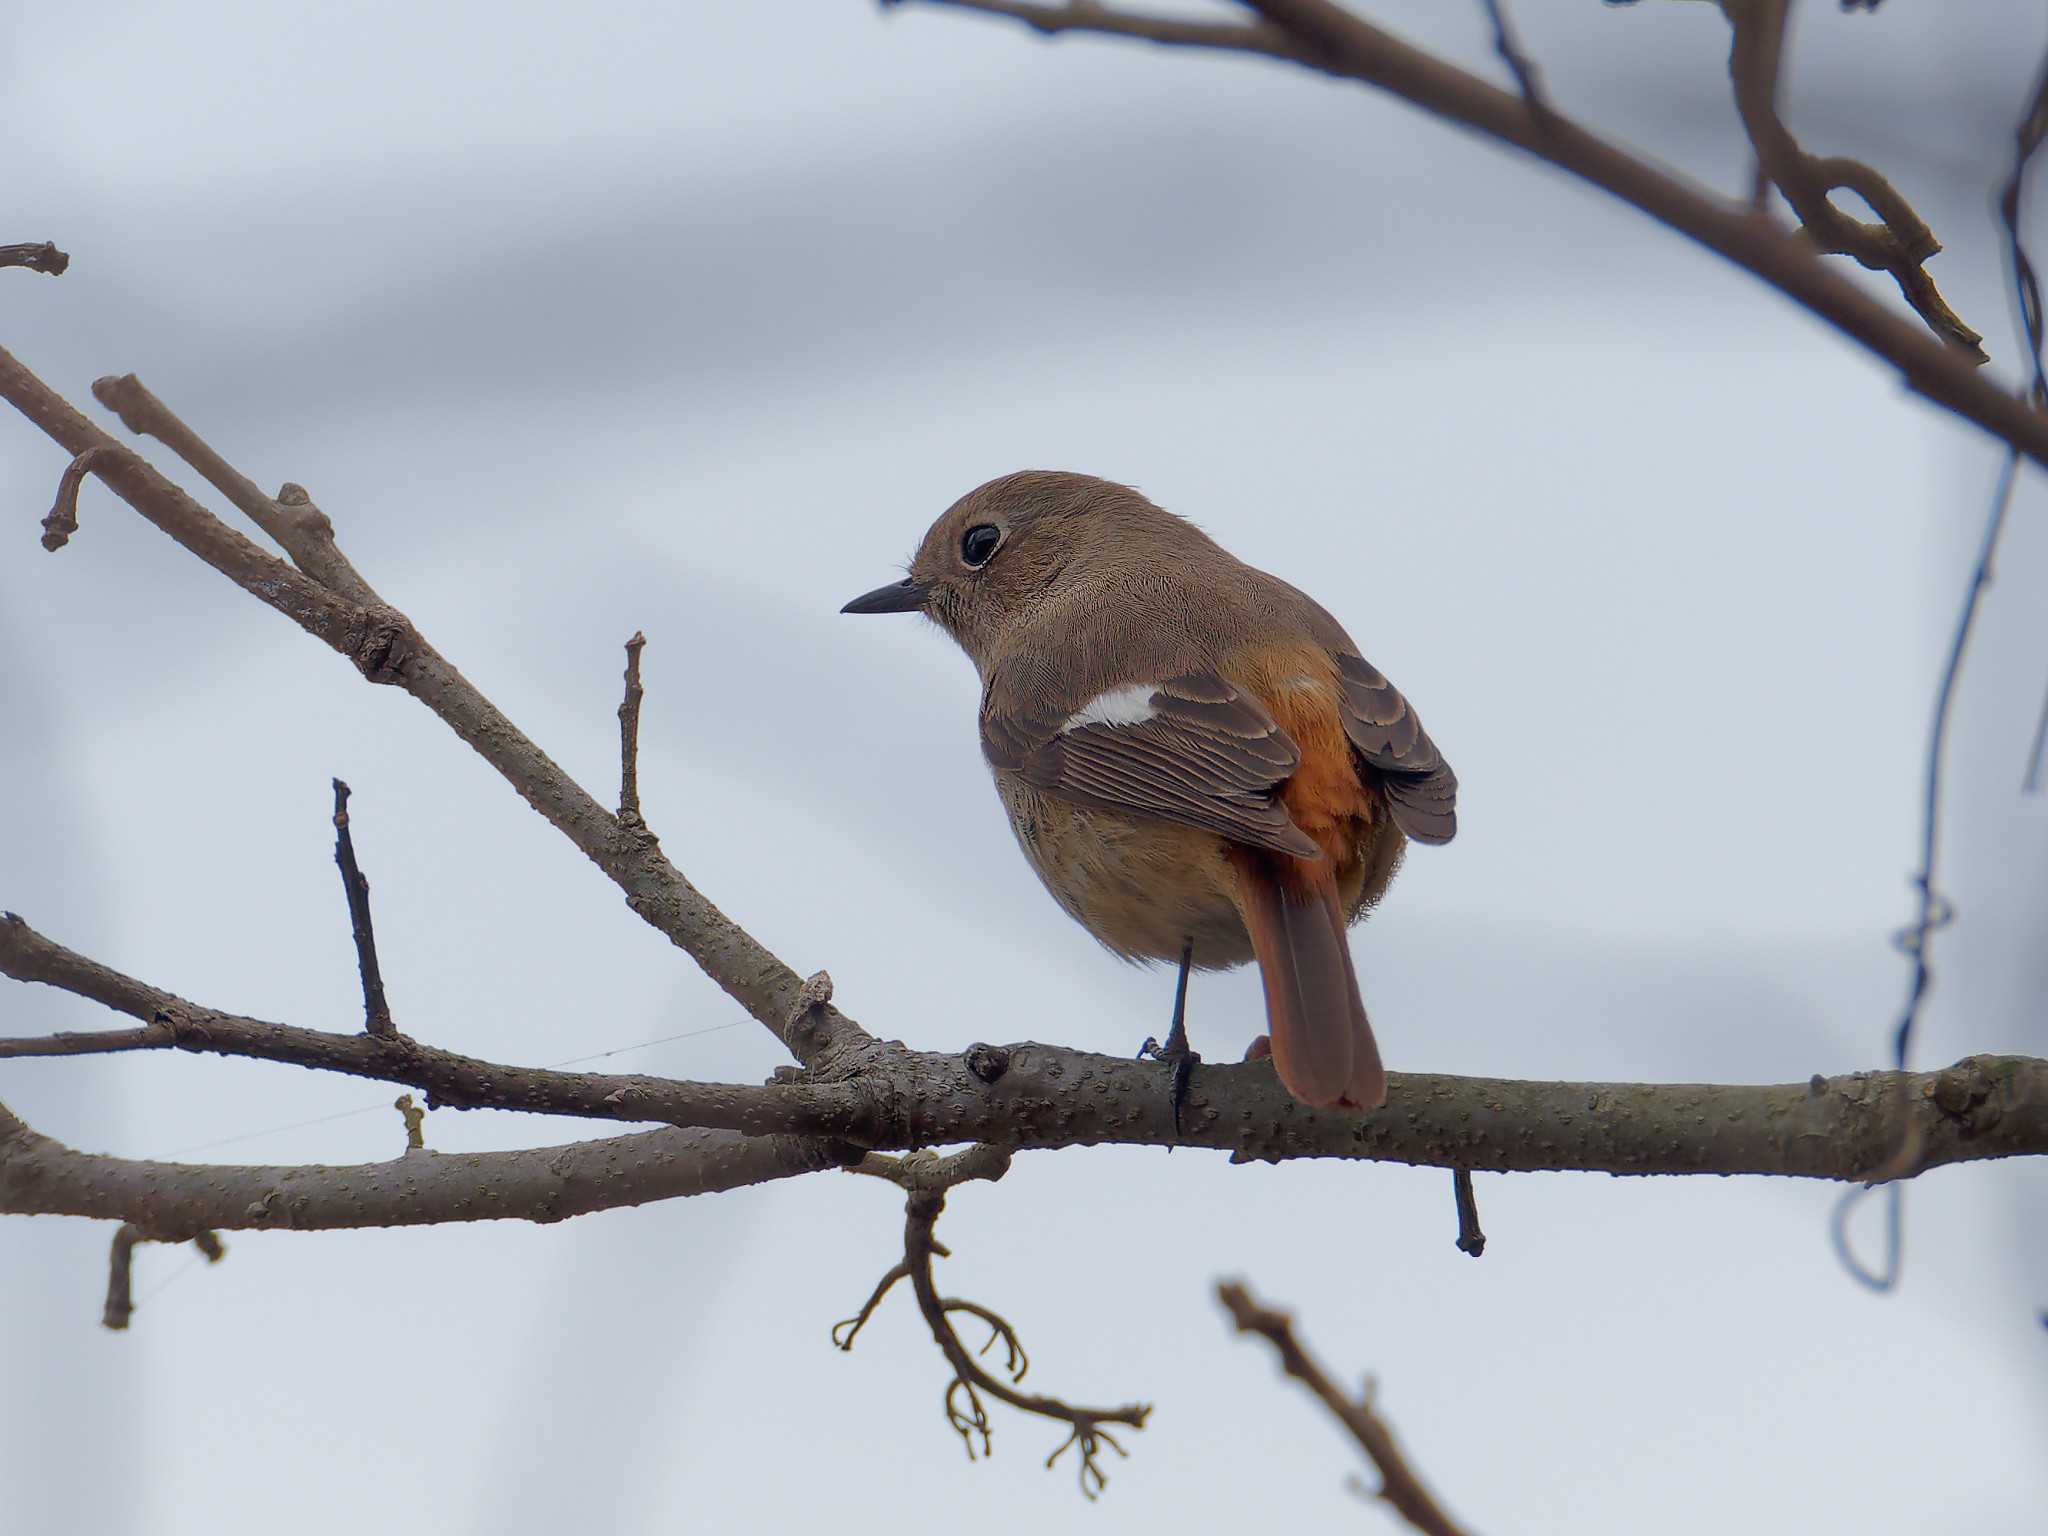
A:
(1400, 1485)
(1518, 63)
(62, 519)
(1900, 243)
(1935, 911)
(37, 258)
(926, 1177)
(290, 518)
(2027, 138)
(376, 1011)
(629, 733)
(1470, 1239)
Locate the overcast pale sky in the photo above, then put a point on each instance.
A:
(689, 319)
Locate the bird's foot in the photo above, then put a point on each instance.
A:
(1181, 1060)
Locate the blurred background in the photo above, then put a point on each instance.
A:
(689, 319)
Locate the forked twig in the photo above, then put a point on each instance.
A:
(925, 1178)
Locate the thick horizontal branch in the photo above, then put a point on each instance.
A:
(1040, 1096)
(177, 1201)
(1325, 37)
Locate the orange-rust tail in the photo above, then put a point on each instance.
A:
(1322, 1042)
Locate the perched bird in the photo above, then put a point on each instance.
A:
(1195, 758)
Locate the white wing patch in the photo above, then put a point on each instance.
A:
(1130, 705)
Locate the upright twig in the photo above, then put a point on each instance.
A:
(629, 733)
(376, 1011)
(1400, 1485)
(1510, 50)
(415, 1122)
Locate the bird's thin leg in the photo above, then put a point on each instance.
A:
(1176, 1053)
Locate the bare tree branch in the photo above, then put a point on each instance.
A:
(1401, 1487)
(449, 1079)
(1326, 37)
(376, 1011)
(173, 1201)
(44, 258)
(1901, 244)
(1043, 1096)
(925, 1179)
(335, 606)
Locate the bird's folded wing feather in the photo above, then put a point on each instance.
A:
(1192, 749)
(1421, 790)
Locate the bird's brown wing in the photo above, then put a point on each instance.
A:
(1192, 749)
(1421, 790)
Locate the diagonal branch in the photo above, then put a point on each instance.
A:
(1400, 1486)
(336, 607)
(1319, 35)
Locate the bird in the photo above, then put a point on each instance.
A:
(1196, 760)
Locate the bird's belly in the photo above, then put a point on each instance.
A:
(1139, 885)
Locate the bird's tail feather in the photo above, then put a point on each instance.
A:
(1323, 1046)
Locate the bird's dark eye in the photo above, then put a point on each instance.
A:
(979, 543)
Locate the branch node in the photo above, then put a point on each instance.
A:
(382, 643)
(814, 994)
(987, 1062)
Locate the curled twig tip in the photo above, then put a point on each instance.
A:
(62, 519)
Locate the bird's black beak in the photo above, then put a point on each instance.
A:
(905, 596)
